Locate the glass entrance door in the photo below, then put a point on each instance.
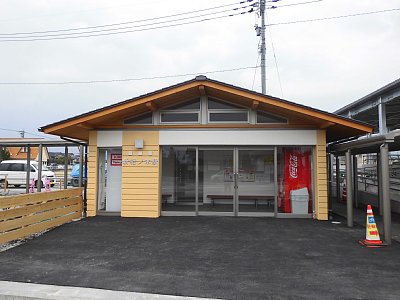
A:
(216, 181)
(255, 181)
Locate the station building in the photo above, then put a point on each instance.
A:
(204, 147)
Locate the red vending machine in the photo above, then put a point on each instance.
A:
(296, 178)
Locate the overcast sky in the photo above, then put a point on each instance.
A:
(324, 64)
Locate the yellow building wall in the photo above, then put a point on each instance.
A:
(140, 175)
(92, 175)
(320, 176)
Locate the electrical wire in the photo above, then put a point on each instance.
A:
(276, 61)
(131, 22)
(255, 69)
(126, 27)
(335, 17)
(19, 131)
(5, 35)
(126, 79)
(33, 36)
(295, 4)
(198, 21)
(126, 31)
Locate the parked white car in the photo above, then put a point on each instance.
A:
(15, 170)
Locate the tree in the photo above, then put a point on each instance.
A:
(4, 153)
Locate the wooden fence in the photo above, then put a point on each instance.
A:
(23, 215)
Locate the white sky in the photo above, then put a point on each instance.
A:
(325, 64)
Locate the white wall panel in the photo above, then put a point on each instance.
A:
(109, 139)
(238, 137)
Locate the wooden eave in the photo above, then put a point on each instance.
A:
(299, 116)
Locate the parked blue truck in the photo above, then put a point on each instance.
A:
(75, 176)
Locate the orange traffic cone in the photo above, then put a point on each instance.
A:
(371, 231)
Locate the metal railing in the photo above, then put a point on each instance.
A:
(368, 180)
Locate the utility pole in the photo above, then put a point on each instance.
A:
(261, 32)
(263, 48)
(22, 133)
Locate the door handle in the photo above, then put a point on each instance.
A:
(236, 180)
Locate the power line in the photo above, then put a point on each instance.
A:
(276, 61)
(19, 131)
(125, 79)
(152, 19)
(295, 4)
(126, 27)
(131, 22)
(126, 31)
(335, 17)
(255, 69)
(33, 36)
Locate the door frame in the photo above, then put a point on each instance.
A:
(98, 188)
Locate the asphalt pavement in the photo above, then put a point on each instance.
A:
(213, 257)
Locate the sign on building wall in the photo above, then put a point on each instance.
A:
(116, 160)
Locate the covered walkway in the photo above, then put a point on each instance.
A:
(381, 144)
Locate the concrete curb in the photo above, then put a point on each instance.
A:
(17, 291)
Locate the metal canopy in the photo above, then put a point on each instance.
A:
(37, 142)
(368, 144)
(367, 108)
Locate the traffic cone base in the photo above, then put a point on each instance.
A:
(368, 244)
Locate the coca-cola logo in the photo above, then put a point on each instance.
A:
(293, 166)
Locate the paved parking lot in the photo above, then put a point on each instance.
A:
(216, 257)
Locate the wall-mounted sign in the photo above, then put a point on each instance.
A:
(116, 160)
(137, 162)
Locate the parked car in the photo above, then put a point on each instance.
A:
(15, 170)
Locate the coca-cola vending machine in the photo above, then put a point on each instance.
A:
(295, 177)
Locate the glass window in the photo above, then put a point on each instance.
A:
(267, 118)
(4, 167)
(179, 117)
(188, 105)
(178, 192)
(17, 167)
(217, 104)
(143, 119)
(294, 180)
(241, 116)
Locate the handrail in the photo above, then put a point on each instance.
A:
(369, 178)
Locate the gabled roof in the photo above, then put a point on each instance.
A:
(299, 116)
